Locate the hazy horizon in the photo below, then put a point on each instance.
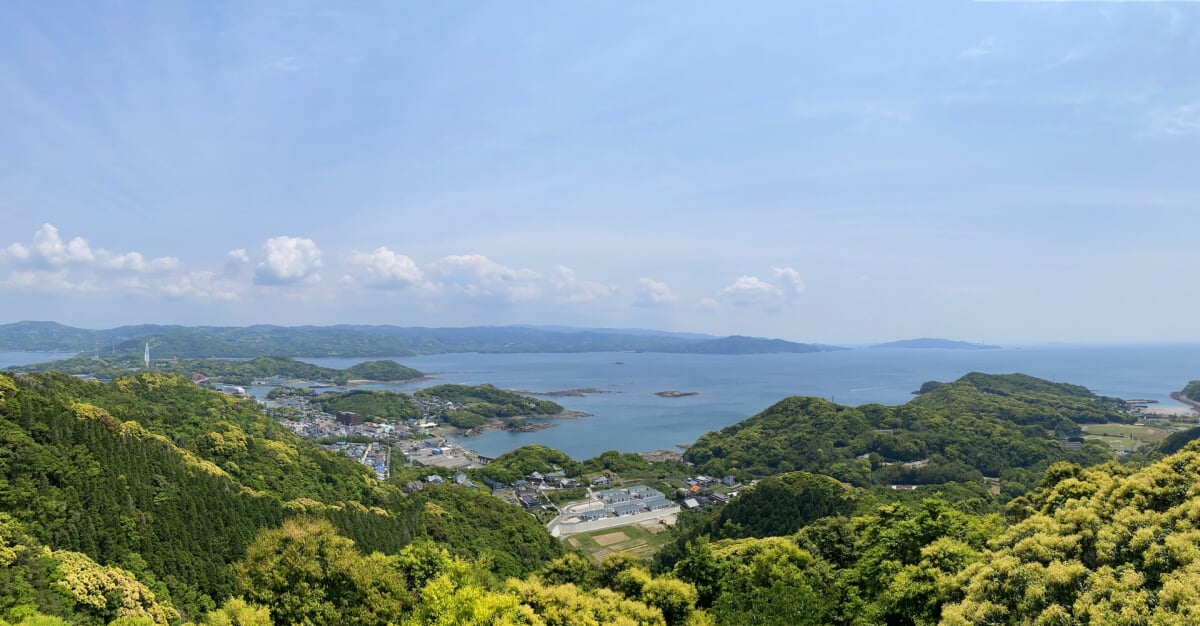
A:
(846, 173)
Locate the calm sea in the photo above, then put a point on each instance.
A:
(631, 418)
(732, 388)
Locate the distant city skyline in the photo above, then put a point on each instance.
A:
(844, 173)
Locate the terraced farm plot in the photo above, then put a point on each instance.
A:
(611, 538)
(632, 539)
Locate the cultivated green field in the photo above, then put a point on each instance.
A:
(1124, 436)
(634, 539)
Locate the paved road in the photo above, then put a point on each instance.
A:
(558, 529)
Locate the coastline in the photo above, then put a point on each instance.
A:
(526, 426)
(1192, 404)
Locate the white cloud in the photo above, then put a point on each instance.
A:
(48, 251)
(201, 285)
(475, 275)
(785, 284)
(748, 290)
(49, 264)
(16, 252)
(567, 287)
(788, 280)
(387, 268)
(288, 261)
(652, 292)
(46, 280)
(238, 255)
(988, 46)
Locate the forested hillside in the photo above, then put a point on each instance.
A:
(172, 482)
(369, 341)
(150, 501)
(229, 371)
(463, 406)
(1191, 391)
(1006, 427)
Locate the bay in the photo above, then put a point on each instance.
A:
(13, 359)
(733, 387)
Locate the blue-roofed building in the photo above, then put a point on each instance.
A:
(627, 508)
(657, 504)
(642, 491)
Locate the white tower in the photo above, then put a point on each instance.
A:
(147, 357)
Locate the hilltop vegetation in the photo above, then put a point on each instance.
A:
(375, 405)
(152, 501)
(1007, 427)
(1191, 391)
(473, 405)
(172, 482)
(367, 341)
(227, 371)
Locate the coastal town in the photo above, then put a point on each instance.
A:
(576, 508)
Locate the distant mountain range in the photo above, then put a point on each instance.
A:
(371, 341)
(944, 344)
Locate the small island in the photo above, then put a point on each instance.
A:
(673, 393)
(568, 393)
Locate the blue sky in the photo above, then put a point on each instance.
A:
(840, 172)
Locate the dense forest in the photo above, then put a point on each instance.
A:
(1005, 427)
(463, 406)
(369, 341)
(230, 371)
(170, 483)
(151, 501)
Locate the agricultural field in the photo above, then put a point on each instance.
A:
(1125, 436)
(641, 540)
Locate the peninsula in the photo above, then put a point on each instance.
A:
(938, 344)
(233, 371)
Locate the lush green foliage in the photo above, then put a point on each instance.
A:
(782, 504)
(381, 370)
(233, 372)
(35, 579)
(473, 405)
(632, 465)
(376, 406)
(172, 482)
(489, 401)
(150, 501)
(1007, 427)
(525, 460)
(1191, 391)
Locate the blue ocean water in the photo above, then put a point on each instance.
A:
(734, 387)
(9, 359)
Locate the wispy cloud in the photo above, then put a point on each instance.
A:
(988, 46)
(286, 64)
(1176, 122)
(653, 292)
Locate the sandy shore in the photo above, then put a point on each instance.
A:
(1170, 410)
